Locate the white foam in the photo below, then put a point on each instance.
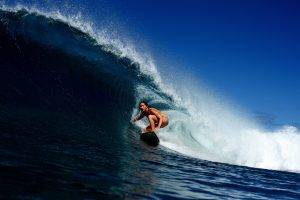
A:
(218, 132)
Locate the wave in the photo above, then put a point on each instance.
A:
(63, 69)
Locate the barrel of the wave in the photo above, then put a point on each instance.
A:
(150, 138)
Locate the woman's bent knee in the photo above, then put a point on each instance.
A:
(153, 117)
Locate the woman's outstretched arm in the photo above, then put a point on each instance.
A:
(138, 117)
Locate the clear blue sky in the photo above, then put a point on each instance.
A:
(248, 49)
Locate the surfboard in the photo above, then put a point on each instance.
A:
(150, 138)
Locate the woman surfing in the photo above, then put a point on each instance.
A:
(157, 119)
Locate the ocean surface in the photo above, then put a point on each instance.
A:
(67, 97)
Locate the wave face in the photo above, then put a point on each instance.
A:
(65, 104)
(54, 73)
(50, 66)
(60, 83)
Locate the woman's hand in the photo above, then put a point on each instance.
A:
(134, 120)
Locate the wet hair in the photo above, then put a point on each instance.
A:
(144, 102)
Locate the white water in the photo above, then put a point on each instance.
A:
(210, 129)
(215, 131)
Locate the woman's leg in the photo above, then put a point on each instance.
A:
(154, 122)
(148, 128)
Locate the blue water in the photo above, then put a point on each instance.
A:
(65, 132)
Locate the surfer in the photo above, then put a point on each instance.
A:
(157, 119)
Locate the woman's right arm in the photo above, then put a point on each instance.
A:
(138, 117)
